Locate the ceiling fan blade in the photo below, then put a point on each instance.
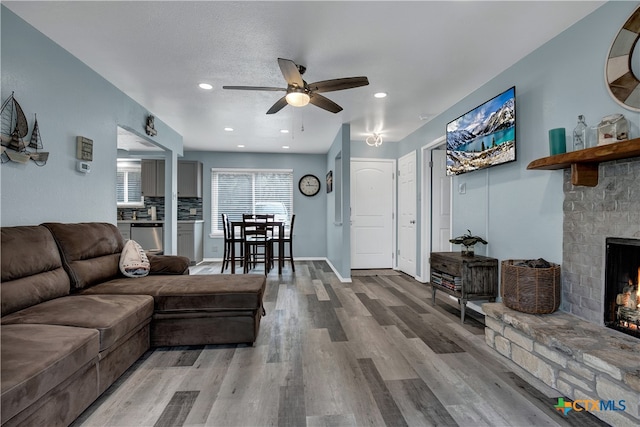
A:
(279, 105)
(338, 84)
(290, 72)
(274, 89)
(324, 103)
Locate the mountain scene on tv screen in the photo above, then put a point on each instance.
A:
(484, 136)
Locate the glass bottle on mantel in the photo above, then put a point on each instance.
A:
(580, 134)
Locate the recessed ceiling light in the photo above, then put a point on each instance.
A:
(286, 147)
(227, 129)
(205, 86)
(380, 94)
(284, 130)
(240, 145)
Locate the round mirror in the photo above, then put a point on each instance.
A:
(622, 83)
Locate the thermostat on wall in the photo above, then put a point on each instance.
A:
(84, 167)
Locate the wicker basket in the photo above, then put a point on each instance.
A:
(530, 290)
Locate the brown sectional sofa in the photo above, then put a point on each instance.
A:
(72, 324)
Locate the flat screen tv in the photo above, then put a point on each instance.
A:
(483, 137)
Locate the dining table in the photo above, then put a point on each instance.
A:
(242, 225)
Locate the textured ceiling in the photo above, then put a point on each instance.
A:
(425, 55)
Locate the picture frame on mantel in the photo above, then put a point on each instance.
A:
(329, 182)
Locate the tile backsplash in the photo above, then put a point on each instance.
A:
(185, 205)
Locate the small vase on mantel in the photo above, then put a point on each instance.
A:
(580, 134)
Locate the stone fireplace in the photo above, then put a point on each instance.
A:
(622, 288)
(571, 350)
(591, 215)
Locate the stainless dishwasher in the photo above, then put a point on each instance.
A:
(149, 235)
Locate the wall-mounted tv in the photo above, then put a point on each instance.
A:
(483, 137)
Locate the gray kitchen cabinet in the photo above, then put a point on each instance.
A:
(159, 178)
(148, 178)
(190, 241)
(152, 178)
(189, 178)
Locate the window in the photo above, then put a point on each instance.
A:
(129, 183)
(238, 191)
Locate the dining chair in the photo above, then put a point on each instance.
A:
(257, 244)
(230, 239)
(287, 240)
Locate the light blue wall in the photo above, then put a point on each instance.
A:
(310, 226)
(520, 211)
(360, 149)
(70, 99)
(338, 232)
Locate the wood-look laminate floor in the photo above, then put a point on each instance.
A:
(373, 352)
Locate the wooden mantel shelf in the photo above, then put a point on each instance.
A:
(584, 163)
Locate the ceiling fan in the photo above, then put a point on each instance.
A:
(300, 93)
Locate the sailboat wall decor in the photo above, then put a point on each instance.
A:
(40, 158)
(13, 128)
(14, 124)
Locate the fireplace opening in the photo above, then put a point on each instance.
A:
(622, 287)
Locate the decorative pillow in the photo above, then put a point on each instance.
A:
(133, 260)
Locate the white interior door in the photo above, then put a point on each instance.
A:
(407, 208)
(441, 203)
(372, 208)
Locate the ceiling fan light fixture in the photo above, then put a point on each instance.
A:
(297, 99)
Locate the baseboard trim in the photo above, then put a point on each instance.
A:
(342, 279)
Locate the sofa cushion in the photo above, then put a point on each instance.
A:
(36, 358)
(90, 251)
(217, 292)
(31, 268)
(168, 264)
(114, 316)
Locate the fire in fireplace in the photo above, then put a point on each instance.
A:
(622, 285)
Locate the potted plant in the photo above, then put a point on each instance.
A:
(468, 242)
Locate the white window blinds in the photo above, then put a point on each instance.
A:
(129, 182)
(235, 192)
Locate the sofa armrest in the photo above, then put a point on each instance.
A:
(168, 264)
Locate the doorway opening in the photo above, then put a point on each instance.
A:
(437, 213)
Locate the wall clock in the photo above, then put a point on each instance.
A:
(622, 83)
(309, 185)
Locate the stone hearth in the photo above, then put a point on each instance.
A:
(581, 360)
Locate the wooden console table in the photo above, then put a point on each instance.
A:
(464, 277)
